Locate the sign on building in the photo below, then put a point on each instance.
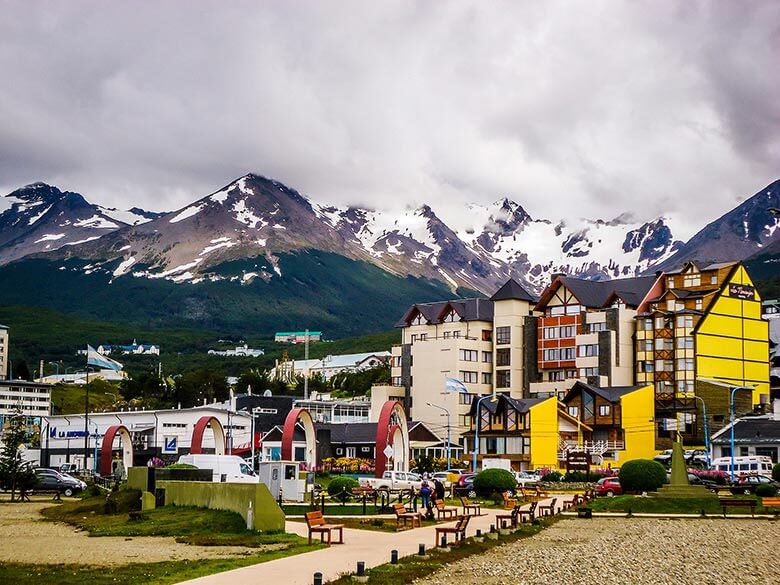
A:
(170, 445)
(744, 292)
(577, 461)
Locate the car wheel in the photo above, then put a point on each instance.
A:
(610, 493)
(472, 494)
(68, 492)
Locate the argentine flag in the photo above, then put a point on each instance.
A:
(101, 361)
(455, 385)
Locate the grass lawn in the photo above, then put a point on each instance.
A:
(656, 505)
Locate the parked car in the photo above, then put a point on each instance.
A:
(696, 457)
(608, 486)
(50, 480)
(665, 457)
(526, 479)
(749, 483)
(69, 468)
(694, 480)
(465, 486)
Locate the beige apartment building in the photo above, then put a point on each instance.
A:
(3, 352)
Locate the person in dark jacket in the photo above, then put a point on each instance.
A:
(438, 489)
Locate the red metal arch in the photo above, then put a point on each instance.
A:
(106, 448)
(288, 434)
(196, 445)
(385, 432)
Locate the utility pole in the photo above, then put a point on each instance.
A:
(306, 365)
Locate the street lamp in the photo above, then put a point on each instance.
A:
(476, 432)
(447, 412)
(57, 364)
(706, 428)
(733, 390)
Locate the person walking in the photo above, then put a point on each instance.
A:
(425, 494)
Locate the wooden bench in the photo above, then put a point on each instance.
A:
(530, 512)
(443, 510)
(508, 520)
(770, 502)
(545, 508)
(316, 523)
(468, 507)
(401, 513)
(459, 530)
(735, 503)
(509, 502)
(540, 493)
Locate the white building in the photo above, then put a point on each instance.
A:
(330, 365)
(135, 348)
(161, 433)
(81, 377)
(32, 399)
(239, 351)
(3, 352)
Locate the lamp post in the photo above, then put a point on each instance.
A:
(706, 428)
(447, 412)
(476, 431)
(57, 365)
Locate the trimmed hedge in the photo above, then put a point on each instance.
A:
(642, 475)
(766, 491)
(776, 472)
(341, 488)
(492, 481)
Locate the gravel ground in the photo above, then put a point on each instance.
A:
(27, 538)
(625, 551)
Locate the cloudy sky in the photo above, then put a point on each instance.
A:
(570, 108)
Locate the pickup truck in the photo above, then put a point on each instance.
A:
(393, 481)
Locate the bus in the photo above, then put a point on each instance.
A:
(745, 465)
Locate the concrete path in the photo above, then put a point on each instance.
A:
(371, 547)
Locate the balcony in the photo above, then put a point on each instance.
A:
(594, 448)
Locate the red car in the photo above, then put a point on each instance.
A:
(608, 486)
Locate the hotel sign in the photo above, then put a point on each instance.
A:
(742, 291)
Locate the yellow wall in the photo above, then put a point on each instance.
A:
(732, 341)
(544, 434)
(637, 420)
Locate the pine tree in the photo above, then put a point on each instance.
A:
(15, 474)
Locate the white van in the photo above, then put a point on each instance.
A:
(226, 468)
(745, 465)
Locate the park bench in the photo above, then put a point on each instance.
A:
(442, 510)
(508, 520)
(316, 523)
(468, 507)
(540, 493)
(459, 530)
(509, 502)
(401, 513)
(530, 512)
(770, 502)
(735, 503)
(545, 508)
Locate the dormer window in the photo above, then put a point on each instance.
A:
(692, 279)
(418, 320)
(451, 317)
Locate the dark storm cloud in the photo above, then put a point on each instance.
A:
(570, 108)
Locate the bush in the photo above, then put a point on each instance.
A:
(552, 476)
(341, 488)
(776, 472)
(494, 480)
(766, 491)
(642, 475)
(181, 466)
(122, 501)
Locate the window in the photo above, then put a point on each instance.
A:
(502, 379)
(596, 327)
(551, 355)
(502, 357)
(685, 342)
(567, 353)
(396, 381)
(456, 334)
(684, 320)
(573, 309)
(414, 337)
(487, 335)
(646, 324)
(685, 386)
(670, 305)
(503, 335)
(447, 334)
(692, 280)
(587, 407)
(487, 378)
(550, 333)
(465, 399)
(487, 357)
(468, 355)
(670, 282)
(557, 311)
(396, 361)
(664, 365)
(587, 372)
(645, 367)
(573, 411)
(567, 331)
(699, 304)
(714, 279)
(423, 336)
(646, 345)
(660, 323)
(589, 350)
(468, 377)
(685, 364)
(571, 374)
(604, 410)
(556, 376)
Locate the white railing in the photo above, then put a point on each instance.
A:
(591, 447)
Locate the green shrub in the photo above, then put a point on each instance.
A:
(494, 480)
(766, 491)
(181, 466)
(552, 476)
(122, 501)
(341, 488)
(776, 472)
(642, 475)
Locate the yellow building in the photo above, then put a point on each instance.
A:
(701, 323)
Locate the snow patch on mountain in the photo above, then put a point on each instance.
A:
(186, 212)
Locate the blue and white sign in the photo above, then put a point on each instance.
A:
(170, 445)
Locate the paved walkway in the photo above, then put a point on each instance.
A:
(371, 547)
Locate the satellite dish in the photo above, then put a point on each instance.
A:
(267, 393)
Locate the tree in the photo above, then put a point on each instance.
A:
(193, 387)
(15, 473)
(257, 379)
(21, 371)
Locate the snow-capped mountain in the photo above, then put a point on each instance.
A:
(255, 220)
(40, 218)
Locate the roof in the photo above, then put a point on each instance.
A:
(350, 359)
(300, 333)
(350, 432)
(3, 326)
(504, 401)
(751, 429)
(681, 293)
(512, 290)
(599, 293)
(700, 266)
(467, 309)
(612, 393)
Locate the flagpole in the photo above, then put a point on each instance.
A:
(86, 416)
